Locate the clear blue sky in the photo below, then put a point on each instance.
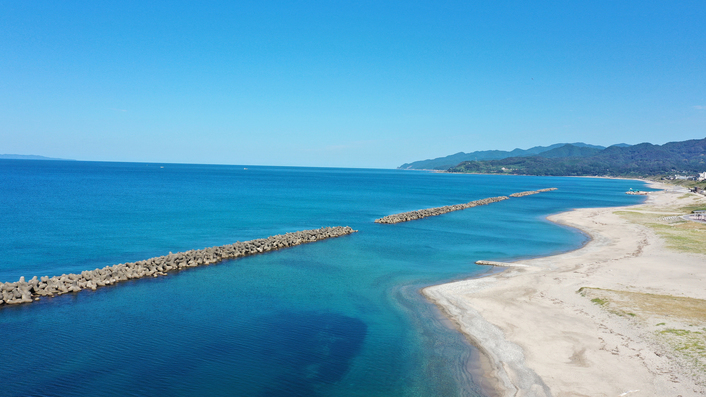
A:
(344, 84)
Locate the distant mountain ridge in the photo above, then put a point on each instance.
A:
(570, 150)
(26, 157)
(644, 159)
(444, 163)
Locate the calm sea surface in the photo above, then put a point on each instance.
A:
(341, 317)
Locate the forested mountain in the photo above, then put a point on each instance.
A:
(638, 160)
(443, 163)
(570, 150)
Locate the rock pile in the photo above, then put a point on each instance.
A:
(527, 193)
(28, 291)
(419, 214)
(503, 264)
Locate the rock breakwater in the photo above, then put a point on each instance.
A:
(28, 291)
(529, 192)
(419, 214)
(502, 264)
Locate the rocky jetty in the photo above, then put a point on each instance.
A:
(527, 193)
(419, 214)
(24, 291)
(501, 264)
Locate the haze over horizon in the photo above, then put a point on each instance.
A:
(353, 85)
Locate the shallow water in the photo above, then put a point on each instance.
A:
(341, 317)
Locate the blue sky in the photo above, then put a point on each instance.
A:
(344, 84)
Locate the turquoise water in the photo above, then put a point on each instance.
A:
(341, 317)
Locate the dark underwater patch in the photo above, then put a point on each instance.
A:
(315, 348)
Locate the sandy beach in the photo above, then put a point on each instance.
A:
(622, 316)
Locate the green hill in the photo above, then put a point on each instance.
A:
(644, 159)
(443, 163)
(570, 150)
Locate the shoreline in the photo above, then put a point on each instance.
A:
(540, 336)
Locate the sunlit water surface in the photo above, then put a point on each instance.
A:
(341, 317)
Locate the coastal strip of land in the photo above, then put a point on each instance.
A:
(625, 315)
(29, 291)
(424, 213)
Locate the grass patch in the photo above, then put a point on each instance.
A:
(683, 183)
(690, 345)
(680, 312)
(679, 235)
(691, 208)
(684, 236)
(599, 301)
(634, 304)
(677, 332)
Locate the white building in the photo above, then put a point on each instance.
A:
(702, 177)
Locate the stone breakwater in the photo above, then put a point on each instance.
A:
(502, 264)
(419, 214)
(28, 291)
(527, 193)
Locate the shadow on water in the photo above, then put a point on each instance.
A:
(316, 347)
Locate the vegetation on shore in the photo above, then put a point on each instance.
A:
(677, 323)
(679, 234)
(689, 184)
(645, 159)
(556, 150)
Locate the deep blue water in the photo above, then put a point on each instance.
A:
(341, 317)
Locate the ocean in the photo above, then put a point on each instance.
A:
(341, 317)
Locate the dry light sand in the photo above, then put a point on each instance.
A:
(540, 336)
